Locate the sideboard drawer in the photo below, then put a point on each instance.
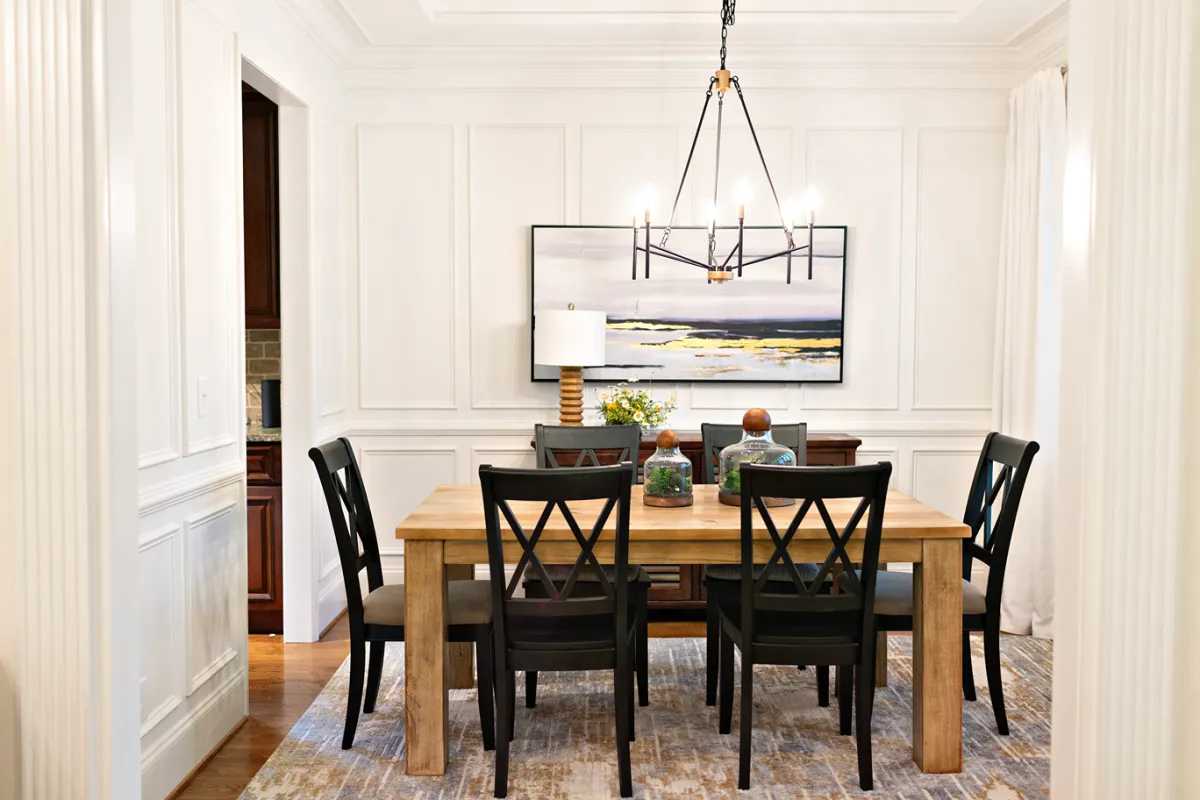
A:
(262, 464)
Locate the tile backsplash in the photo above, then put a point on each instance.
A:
(262, 363)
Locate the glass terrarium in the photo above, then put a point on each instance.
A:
(756, 447)
(668, 475)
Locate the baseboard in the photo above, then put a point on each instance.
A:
(331, 604)
(333, 622)
(207, 758)
(172, 762)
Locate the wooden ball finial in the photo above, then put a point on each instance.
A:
(667, 439)
(757, 420)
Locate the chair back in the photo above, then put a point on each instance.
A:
(1013, 457)
(810, 611)
(529, 622)
(617, 443)
(353, 525)
(716, 437)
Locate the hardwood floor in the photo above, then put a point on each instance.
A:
(284, 680)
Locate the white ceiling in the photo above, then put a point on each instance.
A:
(685, 23)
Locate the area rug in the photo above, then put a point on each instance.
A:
(565, 747)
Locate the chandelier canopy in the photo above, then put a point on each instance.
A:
(719, 269)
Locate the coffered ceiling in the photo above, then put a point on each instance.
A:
(483, 43)
(398, 23)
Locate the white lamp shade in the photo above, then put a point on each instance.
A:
(569, 338)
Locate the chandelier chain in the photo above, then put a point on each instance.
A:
(727, 17)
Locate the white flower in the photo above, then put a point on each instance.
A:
(638, 416)
(633, 379)
(625, 403)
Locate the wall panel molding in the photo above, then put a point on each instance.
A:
(170, 535)
(154, 499)
(970, 314)
(413, 153)
(863, 271)
(197, 591)
(509, 335)
(394, 497)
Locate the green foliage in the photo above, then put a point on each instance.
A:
(732, 482)
(663, 480)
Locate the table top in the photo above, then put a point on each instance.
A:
(455, 512)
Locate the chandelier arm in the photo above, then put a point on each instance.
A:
(659, 251)
(683, 178)
(780, 254)
(741, 98)
(732, 253)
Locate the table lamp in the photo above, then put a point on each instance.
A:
(570, 340)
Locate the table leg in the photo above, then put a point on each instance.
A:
(426, 658)
(462, 655)
(937, 656)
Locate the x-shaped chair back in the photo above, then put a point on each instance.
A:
(350, 513)
(554, 491)
(813, 486)
(716, 437)
(586, 444)
(1000, 475)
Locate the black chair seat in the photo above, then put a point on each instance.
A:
(894, 595)
(470, 603)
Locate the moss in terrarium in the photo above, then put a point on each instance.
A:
(664, 480)
(732, 482)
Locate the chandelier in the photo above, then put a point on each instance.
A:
(723, 269)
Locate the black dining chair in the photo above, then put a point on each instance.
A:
(806, 624)
(378, 617)
(566, 629)
(981, 608)
(720, 578)
(569, 447)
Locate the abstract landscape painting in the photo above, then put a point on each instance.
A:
(678, 327)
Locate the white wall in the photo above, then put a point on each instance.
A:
(191, 416)
(449, 181)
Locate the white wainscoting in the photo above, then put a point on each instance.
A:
(191, 398)
(915, 174)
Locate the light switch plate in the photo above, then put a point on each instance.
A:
(201, 397)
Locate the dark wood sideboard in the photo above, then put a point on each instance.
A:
(678, 588)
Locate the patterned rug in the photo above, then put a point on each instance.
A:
(564, 748)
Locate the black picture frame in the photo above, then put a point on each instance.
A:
(533, 229)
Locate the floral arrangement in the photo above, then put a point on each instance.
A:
(628, 405)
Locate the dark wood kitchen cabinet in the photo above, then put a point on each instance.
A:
(264, 538)
(260, 207)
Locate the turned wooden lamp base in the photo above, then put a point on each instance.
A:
(570, 396)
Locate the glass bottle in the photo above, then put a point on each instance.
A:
(756, 447)
(668, 474)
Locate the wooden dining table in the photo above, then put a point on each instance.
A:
(446, 535)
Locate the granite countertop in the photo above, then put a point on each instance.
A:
(256, 433)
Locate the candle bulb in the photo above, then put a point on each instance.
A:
(741, 211)
(647, 216)
(635, 247)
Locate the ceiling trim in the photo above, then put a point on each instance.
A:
(670, 64)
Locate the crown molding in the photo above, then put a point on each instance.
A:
(672, 64)
(1044, 44)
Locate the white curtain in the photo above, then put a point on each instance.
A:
(1028, 336)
